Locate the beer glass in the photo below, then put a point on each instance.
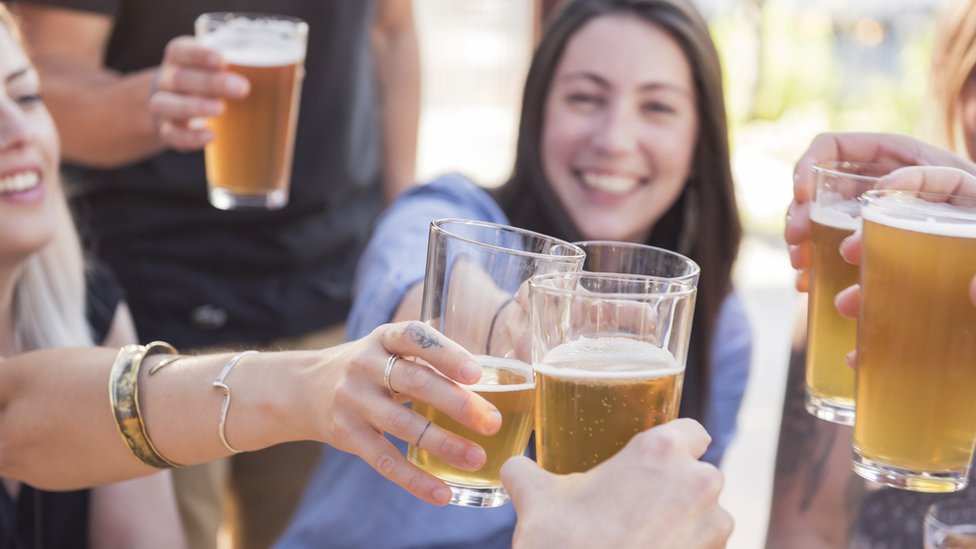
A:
(609, 353)
(951, 524)
(475, 270)
(834, 215)
(606, 256)
(249, 159)
(916, 343)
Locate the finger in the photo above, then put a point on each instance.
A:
(524, 481)
(423, 383)
(797, 229)
(203, 82)
(851, 247)
(972, 291)
(851, 360)
(848, 301)
(408, 425)
(387, 460)
(800, 256)
(189, 51)
(934, 179)
(170, 106)
(803, 281)
(683, 434)
(183, 137)
(715, 528)
(414, 338)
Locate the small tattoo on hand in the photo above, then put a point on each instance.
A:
(421, 337)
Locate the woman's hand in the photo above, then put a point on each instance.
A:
(192, 83)
(359, 406)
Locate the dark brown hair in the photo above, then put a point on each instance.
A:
(703, 223)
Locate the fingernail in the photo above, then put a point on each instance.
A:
(442, 495)
(235, 86)
(475, 457)
(493, 421)
(470, 372)
(213, 108)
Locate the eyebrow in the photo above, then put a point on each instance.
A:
(17, 74)
(604, 83)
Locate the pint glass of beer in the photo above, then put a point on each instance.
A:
(473, 288)
(609, 353)
(606, 256)
(249, 159)
(916, 342)
(834, 215)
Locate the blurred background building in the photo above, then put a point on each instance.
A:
(793, 69)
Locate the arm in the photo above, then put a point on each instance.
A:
(337, 396)
(85, 98)
(654, 493)
(138, 512)
(816, 496)
(398, 73)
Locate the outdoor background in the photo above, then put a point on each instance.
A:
(793, 69)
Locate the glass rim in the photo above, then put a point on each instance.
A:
(300, 23)
(965, 205)
(441, 224)
(695, 268)
(842, 168)
(680, 288)
(946, 505)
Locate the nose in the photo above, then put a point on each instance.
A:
(617, 131)
(15, 129)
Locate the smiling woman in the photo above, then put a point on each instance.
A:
(622, 136)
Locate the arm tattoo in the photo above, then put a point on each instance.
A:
(419, 335)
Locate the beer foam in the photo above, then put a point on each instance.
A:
(914, 214)
(608, 358)
(488, 382)
(842, 215)
(257, 43)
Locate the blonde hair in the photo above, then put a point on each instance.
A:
(953, 59)
(49, 293)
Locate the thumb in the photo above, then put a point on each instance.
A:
(524, 480)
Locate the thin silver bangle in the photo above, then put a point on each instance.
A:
(219, 383)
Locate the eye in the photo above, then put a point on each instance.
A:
(584, 99)
(29, 99)
(657, 107)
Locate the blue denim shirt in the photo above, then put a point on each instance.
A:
(347, 503)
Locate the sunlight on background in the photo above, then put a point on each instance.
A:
(793, 69)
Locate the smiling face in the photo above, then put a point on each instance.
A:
(29, 158)
(620, 127)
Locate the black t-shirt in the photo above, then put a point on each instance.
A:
(198, 276)
(59, 520)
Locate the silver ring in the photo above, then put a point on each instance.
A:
(422, 433)
(386, 374)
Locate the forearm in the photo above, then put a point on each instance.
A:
(398, 73)
(57, 428)
(103, 117)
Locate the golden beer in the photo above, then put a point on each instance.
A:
(916, 376)
(594, 394)
(506, 383)
(249, 159)
(830, 381)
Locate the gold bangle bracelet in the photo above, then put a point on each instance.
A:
(123, 390)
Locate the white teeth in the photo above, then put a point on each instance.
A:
(610, 183)
(19, 182)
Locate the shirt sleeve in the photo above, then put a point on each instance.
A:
(730, 361)
(396, 256)
(104, 7)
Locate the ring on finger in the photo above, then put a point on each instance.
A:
(386, 374)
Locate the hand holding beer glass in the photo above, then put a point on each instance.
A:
(609, 353)
(249, 159)
(474, 271)
(834, 215)
(915, 426)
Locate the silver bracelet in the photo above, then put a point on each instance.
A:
(219, 383)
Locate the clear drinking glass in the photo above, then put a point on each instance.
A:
(916, 342)
(834, 215)
(475, 273)
(951, 524)
(249, 159)
(609, 353)
(606, 256)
